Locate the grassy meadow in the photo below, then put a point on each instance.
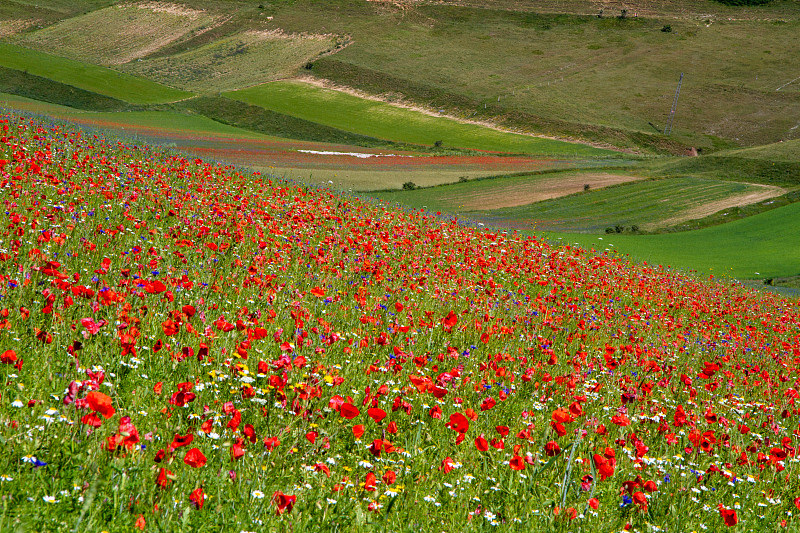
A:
(385, 121)
(757, 247)
(299, 266)
(87, 76)
(187, 347)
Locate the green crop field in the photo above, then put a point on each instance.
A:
(241, 60)
(646, 204)
(760, 246)
(94, 78)
(385, 121)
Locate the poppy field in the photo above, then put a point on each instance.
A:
(187, 347)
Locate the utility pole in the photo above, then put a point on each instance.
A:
(668, 127)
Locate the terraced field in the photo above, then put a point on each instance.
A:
(120, 33)
(241, 60)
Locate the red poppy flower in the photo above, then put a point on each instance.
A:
(389, 477)
(9, 357)
(369, 482)
(164, 478)
(270, 443)
(320, 467)
(100, 403)
(182, 440)
(283, 502)
(604, 466)
(92, 420)
(376, 413)
(195, 458)
(552, 449)
(481, 444)
(562, 416)
(198, 498)
(458, 422)
(517, 463)
(349, 411)
(447, 464)
(728, 516)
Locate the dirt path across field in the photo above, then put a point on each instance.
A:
(764, 192)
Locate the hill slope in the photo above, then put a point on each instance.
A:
(182, 342)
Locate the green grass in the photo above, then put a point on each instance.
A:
(569, 73)
(258, 119)
(92, 78)
(761, 246)
(788, 152)
(783, 173)
(646, 204)
(46, 90)
(386, 121)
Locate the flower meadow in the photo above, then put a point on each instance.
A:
(184, 346)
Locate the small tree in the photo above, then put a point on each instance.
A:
(409, 186)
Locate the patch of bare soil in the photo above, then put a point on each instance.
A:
(538, 189)
(764, 192)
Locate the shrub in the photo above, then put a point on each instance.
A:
(666, 28)
(409, 186)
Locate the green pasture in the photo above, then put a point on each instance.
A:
(784, 151)
(386, 121)
(762, 246)
(94, 78)
(646, 204)
(577, 74)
